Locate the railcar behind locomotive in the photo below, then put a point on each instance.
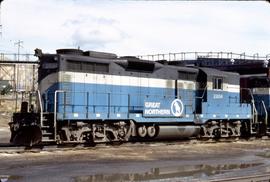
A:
(256, 89)
(92, 97)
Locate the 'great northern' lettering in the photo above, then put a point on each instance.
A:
(154, 108)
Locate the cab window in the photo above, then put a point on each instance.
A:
(217, 83)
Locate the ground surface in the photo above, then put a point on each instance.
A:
(140, 162)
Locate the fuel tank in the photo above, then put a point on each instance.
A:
(178, 132)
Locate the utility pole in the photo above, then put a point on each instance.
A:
(0, 19)
(19, 44)
(0, 29)
(16, 72)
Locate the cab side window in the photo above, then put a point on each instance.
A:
(217, 83)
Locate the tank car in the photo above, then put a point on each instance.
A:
(92, 97)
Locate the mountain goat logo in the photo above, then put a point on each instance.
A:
(177, 107)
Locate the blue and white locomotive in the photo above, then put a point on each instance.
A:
(92, 97)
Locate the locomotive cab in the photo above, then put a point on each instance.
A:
(218, 103)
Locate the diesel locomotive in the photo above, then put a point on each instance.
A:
(92, 97)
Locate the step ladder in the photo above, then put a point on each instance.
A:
(266, 118)
(48, 128)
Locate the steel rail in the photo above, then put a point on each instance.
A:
(9, 148)
(248, 178)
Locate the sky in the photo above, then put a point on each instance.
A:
(136, 27)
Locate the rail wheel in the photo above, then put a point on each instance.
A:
(142, 131)
(151, 131)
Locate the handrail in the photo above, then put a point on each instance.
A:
(254, 110)
(115, 93)
(204, 90)
(17, 57)
(255, 115)
(109, 105)
(180, 56)
(55, 111)
(266, 113)
(40, 107)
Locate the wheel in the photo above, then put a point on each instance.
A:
(151, 131)
(142, 131)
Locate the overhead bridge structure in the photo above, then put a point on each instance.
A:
(20, 71)
(227, 61)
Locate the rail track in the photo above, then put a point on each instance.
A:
(248, 178)
(9, 148)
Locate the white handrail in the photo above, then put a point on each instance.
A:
(40, 107)
(55, 111)
(254, 110)
(266, 113)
